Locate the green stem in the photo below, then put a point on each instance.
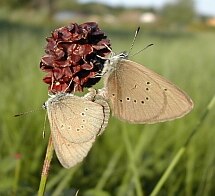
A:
(181, 151)
(46, 166)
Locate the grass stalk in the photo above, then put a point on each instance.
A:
(181, 151)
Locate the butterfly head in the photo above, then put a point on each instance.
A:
(123, 55)
(55, 98)
(112, 63)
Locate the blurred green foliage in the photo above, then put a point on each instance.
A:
(126, 157)
(180, 13)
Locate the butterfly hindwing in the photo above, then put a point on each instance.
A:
(69, 153)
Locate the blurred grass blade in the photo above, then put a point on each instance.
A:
(64, 182)
(17, 174)
(132, 163)
(110, 169)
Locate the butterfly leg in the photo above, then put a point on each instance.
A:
(91, 94)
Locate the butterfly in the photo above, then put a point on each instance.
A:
(139, 95)
(75, 123)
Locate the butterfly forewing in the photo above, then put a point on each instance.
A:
(139, 95)
(76, 119)
(131, 94)
(177, 103)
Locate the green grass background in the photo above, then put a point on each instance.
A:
(126, 160)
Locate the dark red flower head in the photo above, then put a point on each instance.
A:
(73, 57)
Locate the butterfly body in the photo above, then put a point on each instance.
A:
(112, 63)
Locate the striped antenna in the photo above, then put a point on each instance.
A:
(134, 39)
(28, 112)
(141, 50)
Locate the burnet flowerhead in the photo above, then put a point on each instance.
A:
(73, 57)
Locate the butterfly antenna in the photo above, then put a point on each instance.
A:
(24, 113)
(141, 50)
(134, 39)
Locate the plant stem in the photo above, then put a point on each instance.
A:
(46, 166)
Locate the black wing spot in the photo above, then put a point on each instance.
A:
(135, 101)
(128, 99)
(147, 98)
(82, 126)
(77, 129)
(113, 95)
(142, 102)
(148, 82)
(165, 89)
(147, 89)
(83, 120)
(120, 100)
(86, 109)
(82, 114)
